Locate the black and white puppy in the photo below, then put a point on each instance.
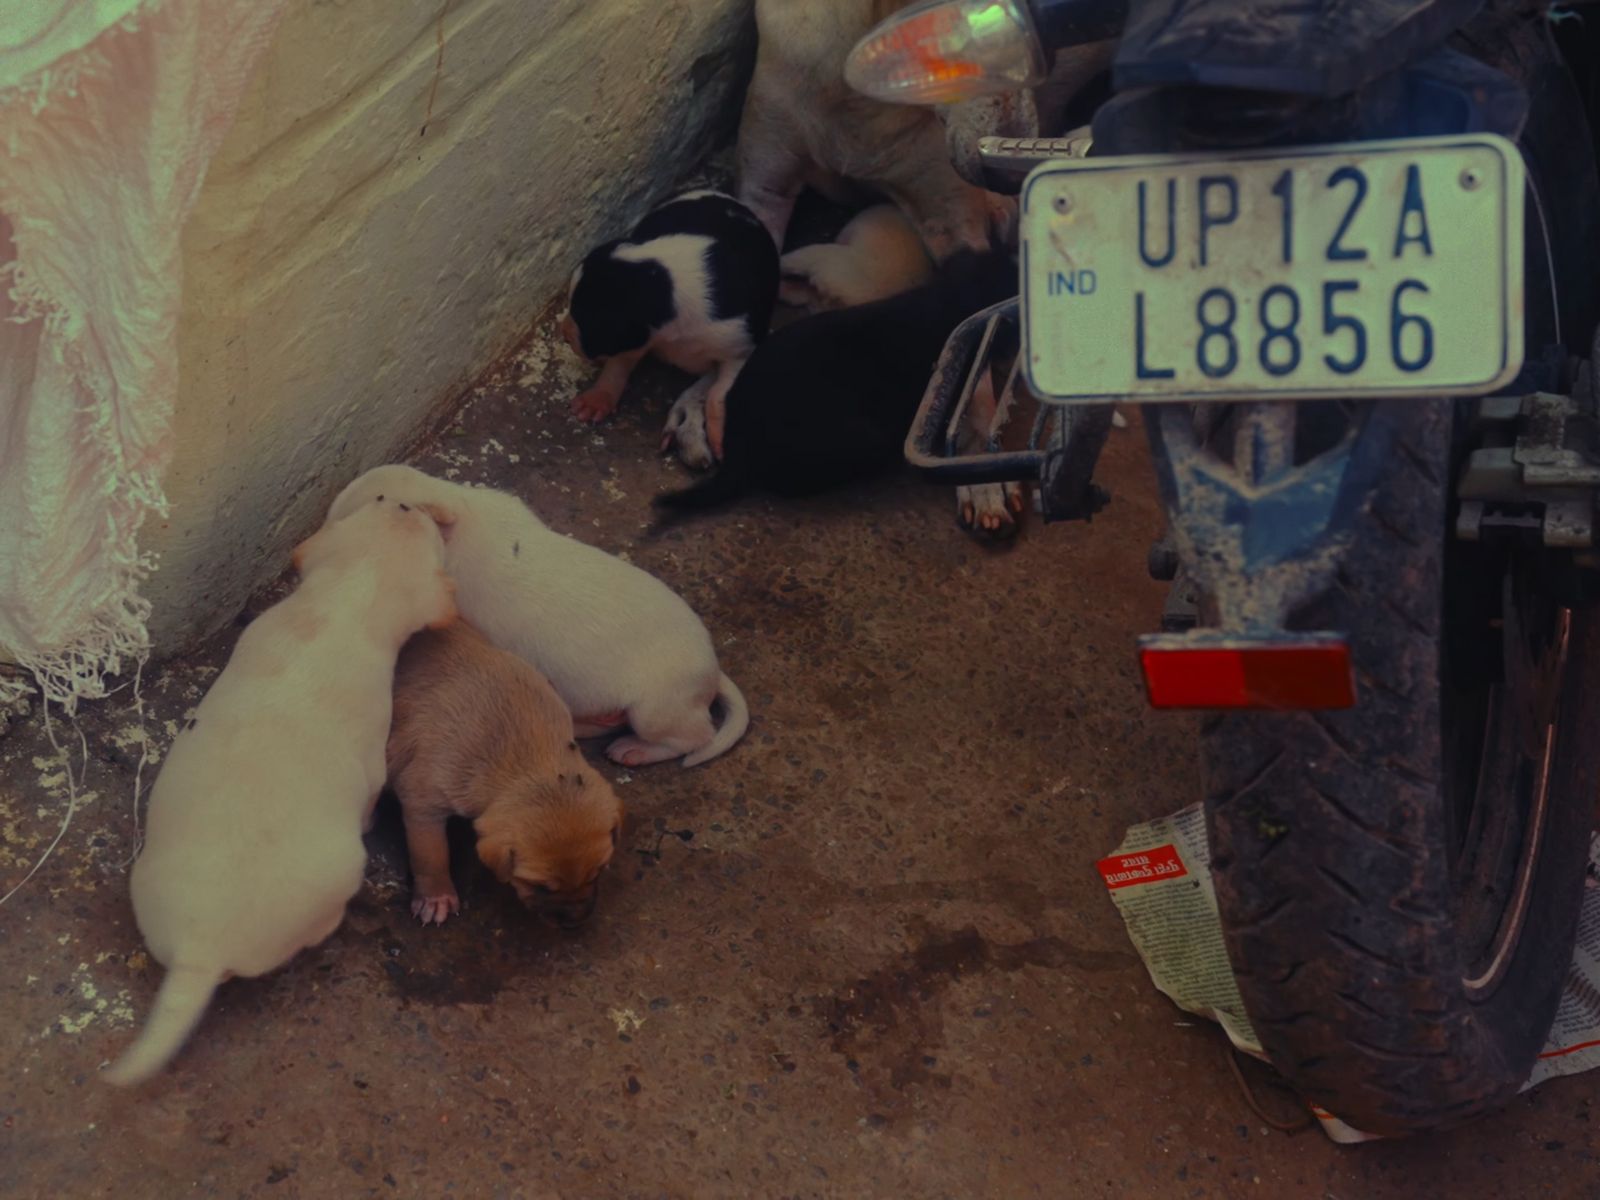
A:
(694, 284)
(828, 400)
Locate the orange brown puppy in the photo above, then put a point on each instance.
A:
(478, 733)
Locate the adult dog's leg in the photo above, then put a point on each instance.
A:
(987, 510)
(772, 160)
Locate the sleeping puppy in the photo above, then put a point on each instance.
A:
(253, 845)
(877, 255)
(694, 284)
(480, 734)
(829, 399)
(618, 645)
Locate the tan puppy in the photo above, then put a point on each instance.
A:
(478, 733)
(253, 846)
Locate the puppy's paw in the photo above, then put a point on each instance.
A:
(694, 449)
(797, 291)
(631, 751)
(686, 428)
(594, 405)
(432, 910)
(989, 511)
(802, 274)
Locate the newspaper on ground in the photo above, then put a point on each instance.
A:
(1160, 881)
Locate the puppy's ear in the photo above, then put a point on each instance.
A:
(499, 855)
(305, 551)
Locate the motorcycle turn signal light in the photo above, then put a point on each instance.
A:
(946, 51)
(1290, 672)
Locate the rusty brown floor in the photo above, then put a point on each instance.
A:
(865, 954)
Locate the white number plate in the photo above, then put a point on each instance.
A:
(1380, 269)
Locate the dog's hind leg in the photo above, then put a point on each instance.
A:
(603, 725)
(636, 752)
(663, 730)
(988, 510)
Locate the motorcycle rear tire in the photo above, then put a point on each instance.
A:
(1331, 842)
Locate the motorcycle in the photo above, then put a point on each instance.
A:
(1346, 256)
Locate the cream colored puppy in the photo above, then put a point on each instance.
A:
(253, 843)
(617, 644)
(877, 255)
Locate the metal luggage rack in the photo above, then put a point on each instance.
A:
(1063, 443)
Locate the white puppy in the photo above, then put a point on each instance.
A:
(877, 255)
(253, 846)
(617, 644)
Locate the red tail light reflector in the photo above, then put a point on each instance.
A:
(1291, 672)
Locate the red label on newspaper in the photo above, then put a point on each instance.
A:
(1147, 866)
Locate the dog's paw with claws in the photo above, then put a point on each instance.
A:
(594, 406)
(432, 910)
(991, 511)
(633, 751)
(686, 428)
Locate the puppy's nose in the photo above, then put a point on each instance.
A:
(569, 919)
(570, 914)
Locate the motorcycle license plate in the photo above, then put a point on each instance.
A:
(1373, 269)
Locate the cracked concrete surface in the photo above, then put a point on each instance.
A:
(864, 954)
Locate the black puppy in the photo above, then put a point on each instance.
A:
(694, 284)
(829, 399)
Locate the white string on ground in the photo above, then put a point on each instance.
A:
(72, 790)
(144, 757)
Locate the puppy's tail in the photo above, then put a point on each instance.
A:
(182, 1000)
(735, 720)
(728, 483)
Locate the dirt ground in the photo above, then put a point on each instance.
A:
(865, 954)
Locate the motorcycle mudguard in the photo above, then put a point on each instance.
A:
(1315, 48)
(1445, 92)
